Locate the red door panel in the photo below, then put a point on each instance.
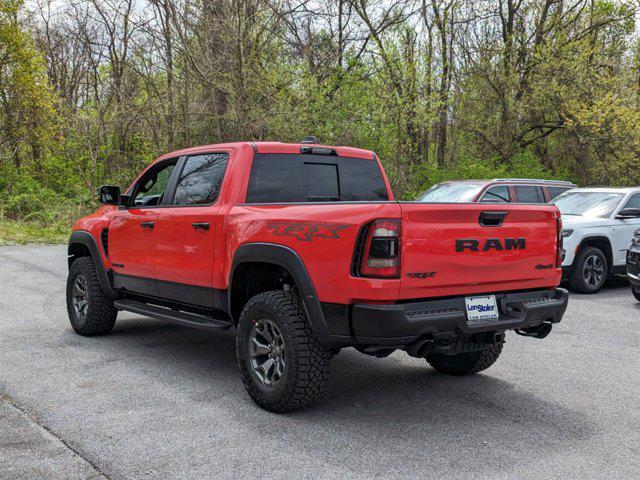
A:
(132, 249)
(185, 252)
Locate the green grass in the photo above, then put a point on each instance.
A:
(13, 232)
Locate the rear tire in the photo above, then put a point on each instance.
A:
(466, 363)
(90, 311)
(590, 272)
(283, 365)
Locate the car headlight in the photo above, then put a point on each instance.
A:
(567, 232)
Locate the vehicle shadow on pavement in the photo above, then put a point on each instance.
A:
(616, 283)
(398, 388)
(395, 411)
(375, 397)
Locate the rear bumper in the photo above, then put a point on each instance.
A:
(401, 324)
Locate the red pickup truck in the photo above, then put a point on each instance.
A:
(303, 250)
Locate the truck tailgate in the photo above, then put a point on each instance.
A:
(461, 249)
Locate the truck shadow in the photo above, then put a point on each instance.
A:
(616, 283)
(394, 406)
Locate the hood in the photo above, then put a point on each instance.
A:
(576, 221)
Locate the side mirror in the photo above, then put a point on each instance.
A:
(109, 195)
(628, 213)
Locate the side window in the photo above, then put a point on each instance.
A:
(633, 202)
(529, 194)
(555, 191)
(496, 194)
(276, 178)
(151, 187)
(200, 180)
(361, 180)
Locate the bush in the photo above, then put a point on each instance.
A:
(28, 200)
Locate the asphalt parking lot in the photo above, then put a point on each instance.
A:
(154, 400)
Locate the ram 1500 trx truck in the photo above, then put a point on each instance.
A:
(303, 250)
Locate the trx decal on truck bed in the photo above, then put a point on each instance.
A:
(306, 231)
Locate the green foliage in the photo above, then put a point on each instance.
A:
(525, 165)
(27, 101)
(556, 94)
(29, 200)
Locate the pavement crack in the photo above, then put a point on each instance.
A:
(31, 265)
(34, 421)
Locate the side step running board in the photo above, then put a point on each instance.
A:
(183, 318)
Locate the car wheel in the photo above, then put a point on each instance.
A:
(90, 311)
(590, 272)
(466, 363)
(283, 365)
(636, 293)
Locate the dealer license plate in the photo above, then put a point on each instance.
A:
(481, 308)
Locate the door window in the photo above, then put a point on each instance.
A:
(555, 191)
(497, 193)
(200, 180)
(151, 188)
(529, 194)
(633, 202)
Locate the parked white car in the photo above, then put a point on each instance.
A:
(597, 227)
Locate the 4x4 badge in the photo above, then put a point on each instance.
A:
(421, 275)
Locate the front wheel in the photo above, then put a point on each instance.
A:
(466, 363)
(590, 272)
(283, 365)
(90, 311)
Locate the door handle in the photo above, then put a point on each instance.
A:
(147, 224)
(200, 225)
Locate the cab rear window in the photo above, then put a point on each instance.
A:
(278, 178)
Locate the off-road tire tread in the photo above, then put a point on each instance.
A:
(310, 362)
(467, 363)
(576, 280)
(102, 314)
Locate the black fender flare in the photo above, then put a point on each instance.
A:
(287, 258)
(82, 237)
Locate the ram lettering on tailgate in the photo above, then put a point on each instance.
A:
(473, 245)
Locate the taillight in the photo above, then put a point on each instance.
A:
(381, 251)
(560, 243)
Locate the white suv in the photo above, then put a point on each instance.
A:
(597, 227)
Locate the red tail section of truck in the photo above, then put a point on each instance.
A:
(461, 249)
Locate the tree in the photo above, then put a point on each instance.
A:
(27, 102)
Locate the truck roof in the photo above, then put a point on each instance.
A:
(272, 147)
